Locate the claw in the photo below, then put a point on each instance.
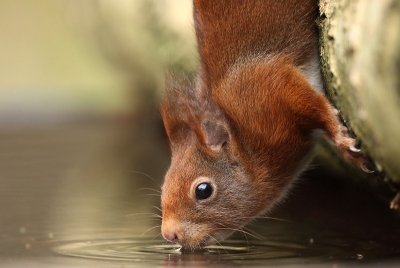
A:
(354, 149)
(345, 131)
(395, 202)
(350, 153)
(364, 168)
(354, 155)
(336, 112)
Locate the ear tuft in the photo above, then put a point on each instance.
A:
(216, 134)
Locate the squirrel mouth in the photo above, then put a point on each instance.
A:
(205, 240)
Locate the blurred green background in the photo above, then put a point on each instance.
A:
(63, 59)
(80, 130)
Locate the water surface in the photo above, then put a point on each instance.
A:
(86, 195)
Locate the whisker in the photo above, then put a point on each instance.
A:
(198, 245)
(159, 209)
(256, 235)
(240, 230)
(149, 217)
(147, 220)
(261, 217)
(158, 195)
(273, 218)
(245, 235)
(157, 226)
(151, 189)
(143, 214)
(154, 237)
(219, 243)
(148, 176)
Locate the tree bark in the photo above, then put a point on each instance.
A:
(360, 59)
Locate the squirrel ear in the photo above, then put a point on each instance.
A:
(216, 134)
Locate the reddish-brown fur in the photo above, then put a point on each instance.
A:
(247, 124)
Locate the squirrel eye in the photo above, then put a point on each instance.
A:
(203, 191)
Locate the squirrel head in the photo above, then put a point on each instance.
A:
(214, 184)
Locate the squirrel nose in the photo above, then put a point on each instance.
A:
(171, 237)
(169, 231)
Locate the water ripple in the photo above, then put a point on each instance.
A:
(144, 249)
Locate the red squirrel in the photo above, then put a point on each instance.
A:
(246, 127)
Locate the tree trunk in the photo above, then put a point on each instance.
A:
(360, 58)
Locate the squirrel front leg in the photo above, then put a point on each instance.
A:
(336, 131)
(316, 112)
(319, 113)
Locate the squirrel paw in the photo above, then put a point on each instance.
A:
(350, 152)
(395, 204)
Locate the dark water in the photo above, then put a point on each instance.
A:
(86, 195)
